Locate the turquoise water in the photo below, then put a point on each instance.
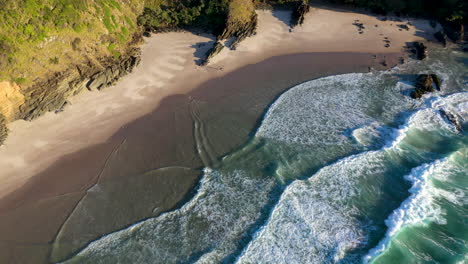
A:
(343, 169)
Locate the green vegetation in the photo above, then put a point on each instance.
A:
(38, 37)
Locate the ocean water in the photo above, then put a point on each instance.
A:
(342, 169)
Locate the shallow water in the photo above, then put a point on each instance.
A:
(342, 169)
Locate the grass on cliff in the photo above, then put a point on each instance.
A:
(43, 36)
(240, 11)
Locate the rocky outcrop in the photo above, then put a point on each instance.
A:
(419, 50)
(426, 83)
(52, 94)
(441, 37)
(299, 12)
(452, 118)
(217, 48)
(112, 73)
(239, 31)
(3, 129)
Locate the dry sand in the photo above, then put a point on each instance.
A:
(147, 121)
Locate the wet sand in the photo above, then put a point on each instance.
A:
(102, 176)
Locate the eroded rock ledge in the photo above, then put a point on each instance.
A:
(51, 94)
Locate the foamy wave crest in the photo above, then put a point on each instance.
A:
(417, 209)
(422, 207)
(325, 106)
(314, 221)
(204, 230)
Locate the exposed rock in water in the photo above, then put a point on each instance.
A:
(299, 12)
(452, 118)
(419, 50)
(441, 37)
(51, 95)
(437, 81)
(3, 129)
(426, 83)
(217, 48)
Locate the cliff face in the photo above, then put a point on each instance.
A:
(11, 98)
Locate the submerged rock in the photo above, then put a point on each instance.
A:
(299, 12)
(426, 83)
(452, 118)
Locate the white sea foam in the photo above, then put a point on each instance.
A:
(325, 107)
(313, 221)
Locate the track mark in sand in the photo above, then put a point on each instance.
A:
(163, 74)
(40, 143)
(178, 59)
(173, 66)
(107, 108)
(201, 140)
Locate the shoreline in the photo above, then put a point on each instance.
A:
(164, 110)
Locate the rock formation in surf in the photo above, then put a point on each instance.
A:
(419, 50)
(452, 118)
(426, 83)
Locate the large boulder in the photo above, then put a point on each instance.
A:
(426, 83)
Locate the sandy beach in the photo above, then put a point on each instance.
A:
(147, 138)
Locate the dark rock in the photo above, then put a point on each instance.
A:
(425, 83)
(437, 81)
(419, 50)
(441, 37)
(239, 31)
(3, 129)
(403, 26)
(52, 93)
(299, 12)
(452, 118)
(360, 26)
(217, 48)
